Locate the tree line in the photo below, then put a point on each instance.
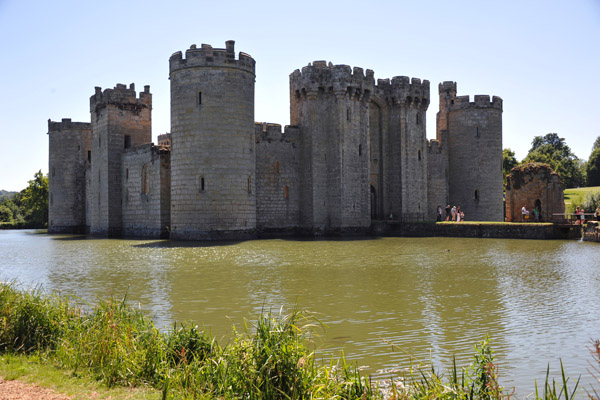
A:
(554, 151)
(27, 208)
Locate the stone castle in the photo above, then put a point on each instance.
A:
(355, 152)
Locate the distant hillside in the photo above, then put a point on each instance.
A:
(5, 194)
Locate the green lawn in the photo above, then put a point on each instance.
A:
(574, 197)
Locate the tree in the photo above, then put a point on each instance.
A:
(552, 149)
(596, 144)
(508, 162)
(6, 214)
(593, 167)
(34, 200)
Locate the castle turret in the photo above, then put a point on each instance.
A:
(330, 105)
(69, 152)
(212, 144)
(474, 130)
(399, 154)
(119, 120)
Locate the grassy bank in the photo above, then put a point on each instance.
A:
(116, 346)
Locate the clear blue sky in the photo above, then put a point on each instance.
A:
(541, 57)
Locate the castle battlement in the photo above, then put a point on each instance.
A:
(67, 125)
(480, 101)
(320, 77)
(121, 96)
(268, 132)
(435, 146)
(405, 90)
(207, 56)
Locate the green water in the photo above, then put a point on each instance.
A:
(383, 301)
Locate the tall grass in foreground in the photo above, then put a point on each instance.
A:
(117, 345)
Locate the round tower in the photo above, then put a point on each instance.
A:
(474, 154)
(213, 192)
(330, 105)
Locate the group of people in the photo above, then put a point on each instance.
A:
(537, 214)
(453, 213)
(580, 215)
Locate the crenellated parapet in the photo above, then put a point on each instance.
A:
(267, 132)
(207, 56)
(480, 101)
(66, 125)
(321, 77)
(450, 101)
(121, 97)
(435, 146)
(403, 90)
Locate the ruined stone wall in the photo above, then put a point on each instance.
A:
(146, 191)
(330, 105)
(530, 183)
(474, 152)
(69, 144)
(213, 192)
(277, 177)
(119, 120)
(437, 177)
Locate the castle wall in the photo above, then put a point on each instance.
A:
(69, 143)
(213, 193)
(146, 191)
(277, 177)
(437, 177)
(119, 120)
(475, 154)
(330, 106)
(402, 146)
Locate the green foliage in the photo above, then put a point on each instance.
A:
(35, 200)
(6, 214)
(508, 162)
(596, 144)
(553, 150)
(591, 201)
(118, 346)
(593, 167)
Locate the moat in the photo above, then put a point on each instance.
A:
(382, 300)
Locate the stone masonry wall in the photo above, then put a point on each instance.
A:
(146, 191)
(213, 192)
(119, 120)
(69, 143)
(329, 103)
(277, 177)
(437, 178)
(531, 183)
(475, 155)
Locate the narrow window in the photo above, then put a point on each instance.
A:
(53, 171)
(199, 98)
(89, 156)
(360, 149)
(276, 167)
(347, 114)
(286, 192)
(201, 185)
(418, 119)
(145, 179)
(127, 174)
(476, 131)
(476, 195)
(249, 184)
(419, 155)
(99, 141)
(78, 147)
(127, 141)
